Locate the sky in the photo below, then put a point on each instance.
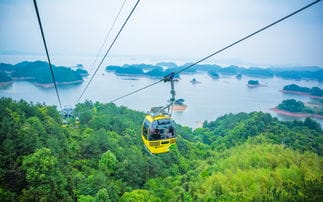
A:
(163, 30)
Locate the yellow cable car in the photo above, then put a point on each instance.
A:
(158, 132)
(158, 129)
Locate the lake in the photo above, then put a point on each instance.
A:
(206, 101)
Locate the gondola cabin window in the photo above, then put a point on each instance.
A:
(145, 128)
(161, 129)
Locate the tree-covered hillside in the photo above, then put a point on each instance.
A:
(314, 91)
(242, 157)
(39, 73)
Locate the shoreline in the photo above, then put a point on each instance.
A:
(301, 93)
(5, 84)
(179, 108)
(255, 85)
(295, 114)
(49, 85)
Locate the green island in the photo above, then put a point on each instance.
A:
(294, 108)
(253, 83)
(39, 73)
(238, 157)
(314, 92)
(163, 68)
(213, 74)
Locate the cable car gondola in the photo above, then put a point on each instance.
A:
(158, 129)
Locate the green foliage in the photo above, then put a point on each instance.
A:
(102, 196)
(294, 87)
(231, 130)
(138, 195)
(107, 162)
(262, 172)
(242, 157)
(315, 91)
(45, 181)
(292, 105)
(38, 72)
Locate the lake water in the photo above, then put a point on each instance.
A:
(206, 101)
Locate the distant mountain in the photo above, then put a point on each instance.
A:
(167, 64)
(295, 74)
(163, 68)
(39, 73)
(302, 68)
(257, 72)
(141, 70)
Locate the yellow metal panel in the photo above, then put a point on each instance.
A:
(159, 146)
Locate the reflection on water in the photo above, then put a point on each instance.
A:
(206, 101)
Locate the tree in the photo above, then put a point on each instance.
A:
(292, 105)
(139, 195)
(45, 181)
(102, 196)
(107, 162)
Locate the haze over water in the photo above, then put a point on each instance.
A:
(206, 101)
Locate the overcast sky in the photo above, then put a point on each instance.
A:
(172, 30)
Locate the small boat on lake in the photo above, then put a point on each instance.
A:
(194, 81)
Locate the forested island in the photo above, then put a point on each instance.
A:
(253, 83)
(238, 157)
(39, 73)
(314, 92)
(213, 74)
(294, 108)
(161, 69)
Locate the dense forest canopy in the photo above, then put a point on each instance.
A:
(315, 91)
(293, 105)
(238, 157)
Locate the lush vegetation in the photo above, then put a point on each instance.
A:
(39, 73)
(315, 91)
(163, 68)
(242, 157)
(293, 105)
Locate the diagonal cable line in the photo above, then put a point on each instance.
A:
(136, 91)
(108, 35)
(222, 49)
(113, 42)
(49, 62)
(248, 36)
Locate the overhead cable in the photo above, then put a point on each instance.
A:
(222, 49)
(48, 58)
(113, 42)
(107, 36)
